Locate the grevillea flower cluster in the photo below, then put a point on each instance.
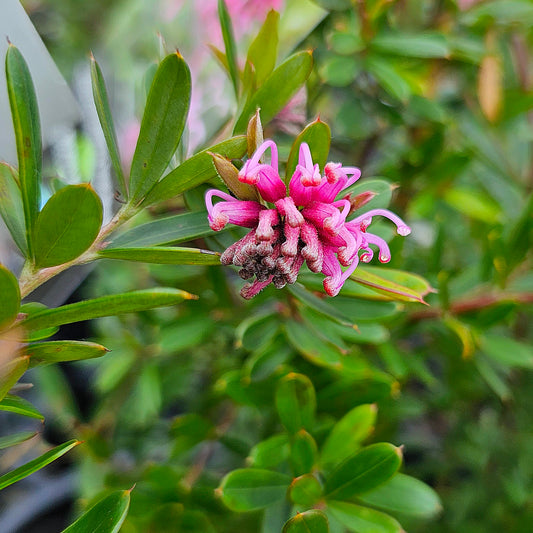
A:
(308, 224)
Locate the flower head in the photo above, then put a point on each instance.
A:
(308, 224)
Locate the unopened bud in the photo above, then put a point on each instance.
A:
(254, 133)
(230, 176)
(360, 200)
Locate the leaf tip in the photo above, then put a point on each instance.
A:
(398, 450)
(128, 491)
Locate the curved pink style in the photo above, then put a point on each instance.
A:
(309, 224)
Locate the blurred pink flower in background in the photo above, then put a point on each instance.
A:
(127, 140)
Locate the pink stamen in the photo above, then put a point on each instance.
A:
(384, 250)
(287, 209)
(402, 228)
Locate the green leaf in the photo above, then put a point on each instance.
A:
(106, 516)
(270, 452)
(229, 44)
(493, 378)
(474, 204)
(312, 347)
(334, 5)
(196, 170)
(250, 489)
(389, 77)
(363, 471)
(318, 304)
(163, 255)
(340, 71)
(26, 124)
(393, 284)
(187, 431)
(362, 519)
(303, 454)
(167, 230)
(11, 372)
(507, 351)
(14, 404)
(36, 464)
(264, 48)
(68, 224)
(266, 360)
(500, 12)
(380, 189)
(44, 353)
(520, 237)
(318, 136)
(277, 90)
(406, 495)
(16, 438)
(312, 521)
(295, 402)
(423, 45)
(305, 490)
(31, 308)
(162, 124)
(9, 289)
(101, 103)
(128, 302)
(11, 208)
(348, 433)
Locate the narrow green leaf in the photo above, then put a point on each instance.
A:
(304, 453)
(14, 404)
(348, 433)
(363, 519)
(305, 490)
(474, 204)
(101, 103)
(106, 516)
(16, 438)
(164, 255)
(31, 308)
(393, 284)
(507, 351)
(318, 304)
(295, 402)
(312, 521)
(277, 89)
(44, 353)
(11, 208)
(128, 302)
(36, 464)
(9, 289)
(68, 224)
(423, 45)
(253, 488)
(318, 136)
(314, 348)
(270, 452)
(363, 471)
(229, 44)
(197, 169)
(11, 372)
(167, 230)
(494, 379)
(264, 48)
(27, 126)
(162, 124)
(520, 237)
(406, 495)
(388, 77)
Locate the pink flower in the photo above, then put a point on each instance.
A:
(309, 224)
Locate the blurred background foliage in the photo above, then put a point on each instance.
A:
(437, 97)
